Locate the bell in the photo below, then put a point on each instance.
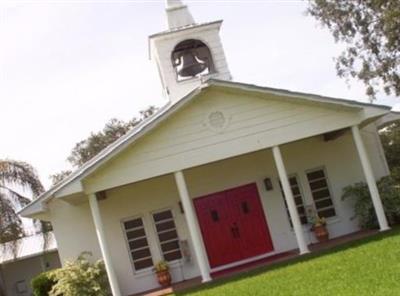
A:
(191, 65)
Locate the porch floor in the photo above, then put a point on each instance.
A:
(263, 262)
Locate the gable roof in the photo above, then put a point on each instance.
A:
(166, 111)
(389, 119)
(293, 94)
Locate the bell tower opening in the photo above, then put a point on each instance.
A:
(192, 58)
(188, 53)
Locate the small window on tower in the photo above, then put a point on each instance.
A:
(192, 58)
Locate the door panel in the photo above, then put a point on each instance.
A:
(214, 224)
(254, 233)
(233, 225)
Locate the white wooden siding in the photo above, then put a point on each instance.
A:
(184, 140)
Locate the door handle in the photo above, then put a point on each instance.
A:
(235, 231)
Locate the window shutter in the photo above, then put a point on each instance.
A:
(298, 199)
(138, 244)
(321, 193)
(167, 235)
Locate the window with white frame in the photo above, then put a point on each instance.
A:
(138, 243)
(298, 199)
(320, 192)
(167, 235)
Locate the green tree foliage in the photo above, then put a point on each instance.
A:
(371, 30)
(86, 149)
(390, 137)
(80, 277)
(96, 142)
(42, 284)
(58, 177)
(363, 207)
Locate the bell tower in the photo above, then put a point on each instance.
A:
(187, 53)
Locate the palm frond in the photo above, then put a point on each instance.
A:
(16, 198)
(11, 227)
(20, 173)
(15, 175)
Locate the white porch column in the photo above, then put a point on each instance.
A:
(369, 176)
(294, 215)
(98, 223)
(193, 225)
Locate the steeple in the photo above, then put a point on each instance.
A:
(178, 14)
(188, 53)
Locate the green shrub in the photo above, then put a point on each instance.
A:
(82, 278)
(363, 207)
(42, 284)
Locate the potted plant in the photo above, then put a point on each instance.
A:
(163, 275)
(319, 228)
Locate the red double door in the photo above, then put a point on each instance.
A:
(233, 225)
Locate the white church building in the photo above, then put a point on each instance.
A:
(224, 174)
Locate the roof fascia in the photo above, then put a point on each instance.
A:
(298, 95)
(146, 129)
(388, 119)
(38, 205)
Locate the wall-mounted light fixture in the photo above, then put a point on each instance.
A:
(268, 184)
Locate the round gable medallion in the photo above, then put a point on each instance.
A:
(217, 121)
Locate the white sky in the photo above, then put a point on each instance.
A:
(67, 67)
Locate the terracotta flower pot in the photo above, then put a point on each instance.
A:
(164, 278)
(321, 233)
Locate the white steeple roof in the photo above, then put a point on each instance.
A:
(178, 14)
(173, 3)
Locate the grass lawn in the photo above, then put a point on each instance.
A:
(369, 266)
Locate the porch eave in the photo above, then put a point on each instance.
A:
(158, 168)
